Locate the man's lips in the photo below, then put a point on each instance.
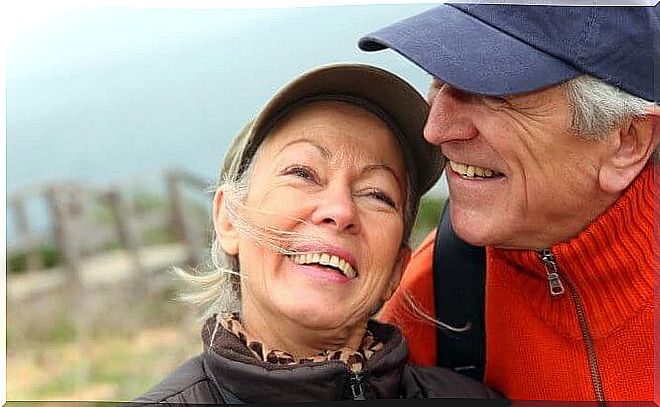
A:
(473, 171)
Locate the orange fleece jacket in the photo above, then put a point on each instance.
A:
(535, 348)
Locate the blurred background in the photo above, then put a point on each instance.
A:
(117, 120)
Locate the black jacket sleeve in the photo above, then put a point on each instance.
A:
(438, 382)
(188, 384)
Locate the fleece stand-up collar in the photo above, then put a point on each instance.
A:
(230, 364)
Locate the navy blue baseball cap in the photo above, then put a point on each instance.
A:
(509, 49)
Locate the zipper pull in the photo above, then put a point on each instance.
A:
(548, 259)
(355, 384)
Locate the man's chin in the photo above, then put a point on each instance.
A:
(477, 236)
(474, 239)
(472, 227)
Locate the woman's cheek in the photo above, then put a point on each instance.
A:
(281, 197)
(382, 238)
(384, 227)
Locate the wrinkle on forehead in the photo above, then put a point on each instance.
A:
(324, 151)
(320, 135)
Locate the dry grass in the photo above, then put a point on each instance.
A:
(116, 368)
(113, 345)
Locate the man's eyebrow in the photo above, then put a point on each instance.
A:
(435, 86)
(324, 151)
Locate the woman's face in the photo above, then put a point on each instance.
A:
(335, 172)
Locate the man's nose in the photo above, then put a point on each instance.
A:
(337, 210)
(451, 116)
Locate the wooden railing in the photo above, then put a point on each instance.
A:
(76, 234)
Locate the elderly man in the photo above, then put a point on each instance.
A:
(546, 116)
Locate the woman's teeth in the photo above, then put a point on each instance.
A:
(325, 259)
(472, 171)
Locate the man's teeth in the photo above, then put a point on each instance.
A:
(325, 260)
(472, 171)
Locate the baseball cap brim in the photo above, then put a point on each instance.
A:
(399, 100)
(469, 54)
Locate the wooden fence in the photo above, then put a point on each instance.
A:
(111, 278)
(77, 234)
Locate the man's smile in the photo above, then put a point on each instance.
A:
(473, 171)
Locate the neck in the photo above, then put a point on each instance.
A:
(611, 263)
(277, 332)
(564, 227)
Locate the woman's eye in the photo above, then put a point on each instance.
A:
(301, 172)
(381, 196)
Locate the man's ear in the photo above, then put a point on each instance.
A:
(630, 147)
(399, 267)
(224, 228)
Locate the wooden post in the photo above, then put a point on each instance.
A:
(181, 221)
(67, 209)
(64, 207)
(32, 253)
(129, 236)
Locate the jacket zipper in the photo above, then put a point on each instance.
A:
(557, 289)
(355, 384)
(548, 259)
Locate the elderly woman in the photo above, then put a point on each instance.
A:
(316, 202)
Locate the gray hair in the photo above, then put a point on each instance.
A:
(598, 106)
(217, 288)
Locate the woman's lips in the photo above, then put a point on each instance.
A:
(330, 250)
(320, 273)
(325, 261)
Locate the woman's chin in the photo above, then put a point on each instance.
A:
(323, 318)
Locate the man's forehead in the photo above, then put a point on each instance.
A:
(541, 93)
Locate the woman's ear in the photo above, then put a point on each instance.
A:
(399, 267)
(630, 147)
(224, 228)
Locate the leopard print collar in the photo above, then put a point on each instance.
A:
(354, 359)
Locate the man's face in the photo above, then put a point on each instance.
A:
(518, 176)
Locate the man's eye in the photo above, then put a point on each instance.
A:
(495, 101)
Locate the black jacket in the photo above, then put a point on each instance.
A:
(230, 374)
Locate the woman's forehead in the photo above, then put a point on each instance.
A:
(327, 125)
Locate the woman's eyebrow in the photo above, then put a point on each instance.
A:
(375, 167)
(324, 151)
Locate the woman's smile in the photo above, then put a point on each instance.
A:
(317, 272)
(324, 263)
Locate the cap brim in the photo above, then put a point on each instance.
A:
(391, 94)
(469, 54)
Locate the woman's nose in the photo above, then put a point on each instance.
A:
(337, 210)
(451, 116)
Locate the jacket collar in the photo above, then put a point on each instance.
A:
(231, 364)
(610, 264)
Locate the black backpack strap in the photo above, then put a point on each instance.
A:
(459, 277)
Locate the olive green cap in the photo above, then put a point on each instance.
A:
(396, 102)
